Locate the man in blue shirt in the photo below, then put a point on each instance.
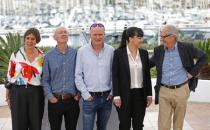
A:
(93, 78)
(58, 81)
(176, 76)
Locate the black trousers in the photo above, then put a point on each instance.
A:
(134, 111)
(69, 108)
(27, 107)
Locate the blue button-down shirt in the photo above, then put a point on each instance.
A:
(59, 72)
(93, 73)
(173, 72)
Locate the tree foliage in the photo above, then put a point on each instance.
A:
(7, 46)
(205, 46)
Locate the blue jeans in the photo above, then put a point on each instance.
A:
(98, 105)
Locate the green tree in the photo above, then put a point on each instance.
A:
(7, 46)
(205, 71)
(205, 46)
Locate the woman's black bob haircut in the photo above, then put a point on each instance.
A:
(130, 32)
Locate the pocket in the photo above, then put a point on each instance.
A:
(187, 90)
(88, 100)
(88, 106)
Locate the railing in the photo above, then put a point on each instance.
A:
(189, 33)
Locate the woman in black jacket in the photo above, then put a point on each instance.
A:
(132, 88)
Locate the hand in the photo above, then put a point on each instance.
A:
(8, 95)
(117, 102)
(90, 98)
(149, 101)
(77, 97)
(53, 100)
(8, 103)
(189, 76)
(109, 97)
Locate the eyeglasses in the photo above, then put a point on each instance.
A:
(97, 25)
(165, 36)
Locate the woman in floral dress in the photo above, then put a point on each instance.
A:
(24, 93)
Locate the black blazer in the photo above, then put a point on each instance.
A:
(121, 74)
(188, 54)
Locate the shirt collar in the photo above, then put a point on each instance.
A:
(58, 51)
(174, 48)
(129, 52)
(22, 52)
(91, 47)
(39, 51)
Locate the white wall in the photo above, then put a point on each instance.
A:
(2, 95)
(202, 93)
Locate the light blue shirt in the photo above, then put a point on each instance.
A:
(93, 73)
(58, 72)
(173, 72)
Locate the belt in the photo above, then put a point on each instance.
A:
(104, 93)
(27, 86)
(63, 96)
(174, 86)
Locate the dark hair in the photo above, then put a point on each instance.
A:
(33, 31)
(130, 32)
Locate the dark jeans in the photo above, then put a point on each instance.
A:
(133, 111)
(100, 106)
(27, 107)
(69, 108)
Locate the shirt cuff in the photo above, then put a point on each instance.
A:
(86, 95)
(49, 96)
(111, 93)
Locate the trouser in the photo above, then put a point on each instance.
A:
(172, 104)
(27, 107)
(100, 106)
(134, 111)
(69, 108)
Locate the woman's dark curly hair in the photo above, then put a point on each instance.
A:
(35, 32)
